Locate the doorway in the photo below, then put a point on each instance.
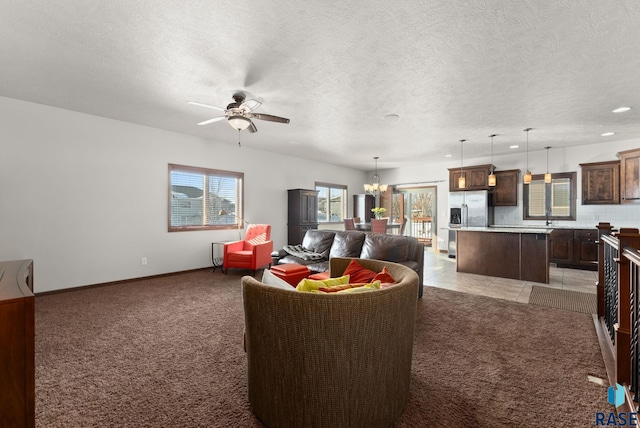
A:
(418, 205)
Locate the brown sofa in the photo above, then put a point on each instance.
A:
(404, 250)
(330, 360)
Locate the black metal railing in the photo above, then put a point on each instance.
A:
(619, 306)
(633, 256)
(610, 268)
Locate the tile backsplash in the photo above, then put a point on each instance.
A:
(588, 216)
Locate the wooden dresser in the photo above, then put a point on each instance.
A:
(17, 344)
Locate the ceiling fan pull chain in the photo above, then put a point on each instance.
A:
(239, 145)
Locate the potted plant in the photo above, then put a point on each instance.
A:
(379, 212)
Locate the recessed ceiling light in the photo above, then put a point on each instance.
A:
(391, 117)
(447, 156)
(621, 109)
(515, 146)
(608, 134)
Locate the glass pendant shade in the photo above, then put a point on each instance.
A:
(526, 178)
(238, 122)
(547, 176)
(462, 181)
(492, 179)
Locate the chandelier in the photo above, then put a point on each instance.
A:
(375, 188)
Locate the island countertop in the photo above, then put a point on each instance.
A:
(509, 252)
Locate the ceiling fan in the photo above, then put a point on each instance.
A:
(240, 112)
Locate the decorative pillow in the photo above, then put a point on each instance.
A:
(351, 288)
(384, 277)
(313, 285)
(269, 278)
(375, 285)
(358, 273)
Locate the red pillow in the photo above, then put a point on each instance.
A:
(384, 276)
(358, 273)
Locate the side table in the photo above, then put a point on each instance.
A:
(217, 262)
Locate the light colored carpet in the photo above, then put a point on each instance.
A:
(574, 301)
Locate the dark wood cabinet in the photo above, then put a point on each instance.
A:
(303, 213)
(561, 246)
(476, 177)
(505, 192)
(574, 248)
(630, 176)
(362, 205)
(600, 183)
(585, 249)
(17, 344)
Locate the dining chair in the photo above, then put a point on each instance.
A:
(349, 224)
(379, 225)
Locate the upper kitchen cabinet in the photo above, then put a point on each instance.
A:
(601, 183)
(630, 176)
(505, 193)
(476, 177)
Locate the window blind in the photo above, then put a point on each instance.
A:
(204, 198)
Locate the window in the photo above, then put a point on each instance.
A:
(332, 202)
(204, 199)
(550, 201)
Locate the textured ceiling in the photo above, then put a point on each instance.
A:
(449, 69)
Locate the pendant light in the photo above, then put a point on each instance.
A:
(492, 176)
(547, 175)
(526, 179)
(462, 182)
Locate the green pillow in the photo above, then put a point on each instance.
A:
(312, 285)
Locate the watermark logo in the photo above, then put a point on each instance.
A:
(615, 395)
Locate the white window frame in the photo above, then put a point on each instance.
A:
(190, 208)
(329, 187)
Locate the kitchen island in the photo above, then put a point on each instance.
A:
(509, 252)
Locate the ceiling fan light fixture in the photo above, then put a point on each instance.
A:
(239, 122)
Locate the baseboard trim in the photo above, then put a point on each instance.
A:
(121, 281)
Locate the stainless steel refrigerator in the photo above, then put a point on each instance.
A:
(468, 209)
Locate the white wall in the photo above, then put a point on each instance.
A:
(86, 197)
(560, 160)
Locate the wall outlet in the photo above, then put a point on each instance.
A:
(143, 261)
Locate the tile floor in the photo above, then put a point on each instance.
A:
(440, 271)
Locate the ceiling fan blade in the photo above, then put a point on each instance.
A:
(270, 118)
(250, 105)
(215, 119)
(252, 128)
(195, 103)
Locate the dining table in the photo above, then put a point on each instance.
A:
(366, 227)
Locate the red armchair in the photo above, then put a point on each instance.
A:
(253, 252)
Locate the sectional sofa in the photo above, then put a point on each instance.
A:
(318, 246)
